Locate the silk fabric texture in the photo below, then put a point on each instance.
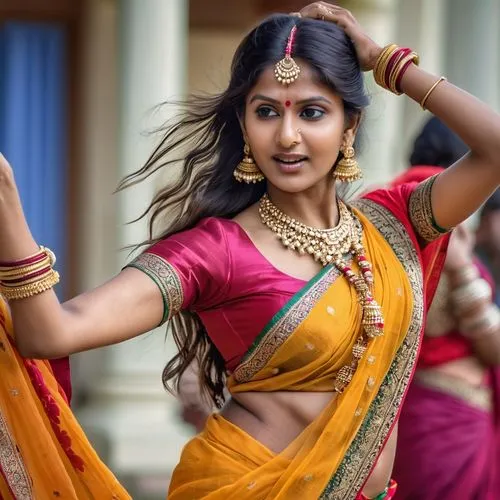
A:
(300, 350)
(43, 451)
(307, 360)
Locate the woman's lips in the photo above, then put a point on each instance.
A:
(290, 167)
(290, 164)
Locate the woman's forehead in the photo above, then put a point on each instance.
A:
(306, 85)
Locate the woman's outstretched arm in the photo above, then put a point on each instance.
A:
(124, 307)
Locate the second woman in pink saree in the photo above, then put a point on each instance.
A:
(449, 428)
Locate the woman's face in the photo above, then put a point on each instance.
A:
(295, 131)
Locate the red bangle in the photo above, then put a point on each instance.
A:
(32, 259)
(395, 58)
(401, 74)
(22, 279)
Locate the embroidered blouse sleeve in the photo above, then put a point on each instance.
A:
(412, 202)
(190, 268)
(421, 214)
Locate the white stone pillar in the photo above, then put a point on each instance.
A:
(97, 228)
(420, 26)
(379, 131)
(129, 413)
(473, 37)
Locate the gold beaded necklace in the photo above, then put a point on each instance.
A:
(333, 247)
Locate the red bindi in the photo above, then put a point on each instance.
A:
(288, 104)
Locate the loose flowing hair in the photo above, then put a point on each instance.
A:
(202, 146)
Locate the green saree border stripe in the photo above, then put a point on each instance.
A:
(166, 278)
(158, 284)
(283, 324)
(284, 310)
(357, 463)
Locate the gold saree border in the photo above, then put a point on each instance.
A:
(166, 278)
(363, 452)
(12, 464)
(283, 324)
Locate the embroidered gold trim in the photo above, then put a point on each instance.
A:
(366, 446)
(480, 397)
(167, 279)
(283, 329)
(420, 211)
(13, 466)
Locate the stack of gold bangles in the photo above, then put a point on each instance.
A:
(392, 64)
(28, 277)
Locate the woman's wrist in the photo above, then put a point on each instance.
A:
(16, 240)
(375, 52)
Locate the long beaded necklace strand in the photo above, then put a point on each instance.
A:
(331, 246)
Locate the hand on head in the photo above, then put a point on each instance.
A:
(367, 50)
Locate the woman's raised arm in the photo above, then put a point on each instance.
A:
(459, 191)
(124, 307)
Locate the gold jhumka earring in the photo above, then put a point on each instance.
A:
(247, 170)
(347, 169)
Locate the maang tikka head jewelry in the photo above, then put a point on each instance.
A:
(287, 70)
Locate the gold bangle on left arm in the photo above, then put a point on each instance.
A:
(424, 100)
(28, 277)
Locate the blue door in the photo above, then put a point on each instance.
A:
(33, 125)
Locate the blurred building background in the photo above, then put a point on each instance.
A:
(78, 83)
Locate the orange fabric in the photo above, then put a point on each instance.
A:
(43, 451)
(226, 463)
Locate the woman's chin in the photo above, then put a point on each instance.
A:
(291, 185)
(295, 183)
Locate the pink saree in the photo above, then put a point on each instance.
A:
(456, 424)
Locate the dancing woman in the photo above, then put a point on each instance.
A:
(308, 308)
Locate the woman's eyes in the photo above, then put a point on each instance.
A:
(266, 112)
(312, 113)
(306, 113)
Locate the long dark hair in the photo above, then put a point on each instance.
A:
(203, 145)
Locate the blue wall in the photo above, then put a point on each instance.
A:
(33, 125)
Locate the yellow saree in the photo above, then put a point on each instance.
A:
(43, 451)
(301, 349)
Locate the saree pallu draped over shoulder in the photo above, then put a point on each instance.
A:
(43, 451)
(302, 349)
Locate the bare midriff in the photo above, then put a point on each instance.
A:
(275, 419)
(470, 370)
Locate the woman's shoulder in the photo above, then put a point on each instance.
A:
(393, 200)
(207, 231)
(390, 195)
